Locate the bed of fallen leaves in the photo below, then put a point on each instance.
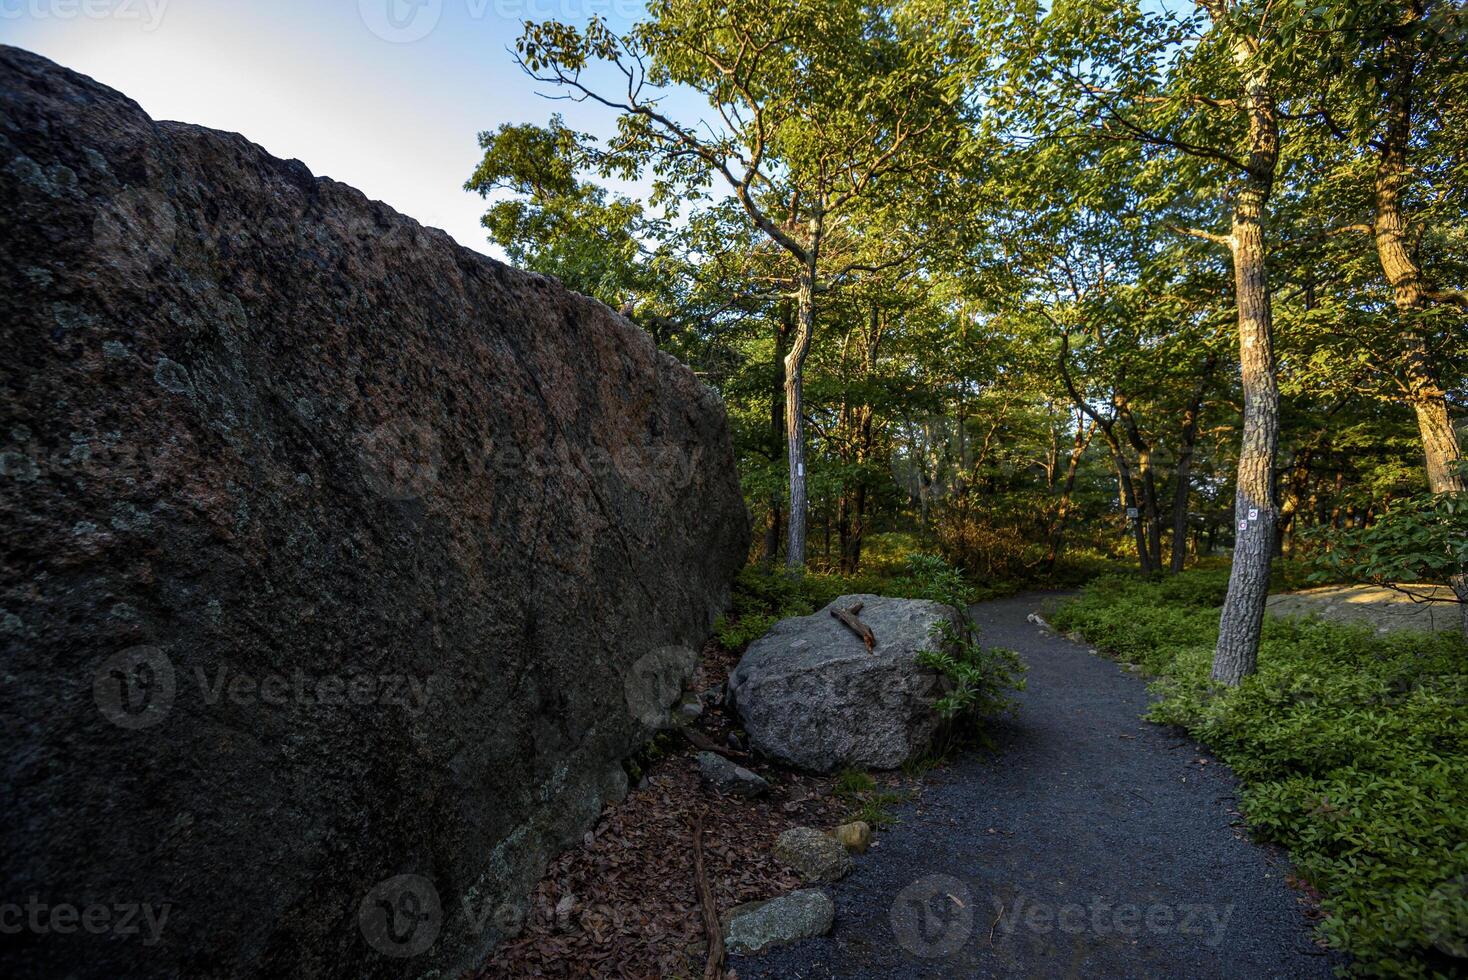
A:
(624, 903)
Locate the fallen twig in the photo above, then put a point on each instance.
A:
(703, 743)
(713, 968)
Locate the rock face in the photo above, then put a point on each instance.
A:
(811, 695)
(342, 565)
(1384, 610)
(817, 856)
(757, 926)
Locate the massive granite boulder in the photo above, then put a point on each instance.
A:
(811, 695)
(341, 565)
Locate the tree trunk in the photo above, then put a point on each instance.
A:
(1237, 653)
(1084, 431)
(1123, 468)
(773, 524)
(1183, 476)
(805, 323)
(1148, 514)
(1182, 489)
(851, 552)
(1129, 497)
(1412, 294)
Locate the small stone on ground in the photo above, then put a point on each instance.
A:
(757, 926)
(855, 836)
(817, 856)
(727, 777)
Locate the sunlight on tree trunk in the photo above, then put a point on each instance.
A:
(1242, 619)
(794, 415)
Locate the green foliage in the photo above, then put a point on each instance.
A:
(876, 809)
(1352, 748)
(1423, 538)
(980, 678)
(558, 224)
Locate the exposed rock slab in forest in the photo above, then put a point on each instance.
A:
(1380, 608)
(342, 564)
(811, 695)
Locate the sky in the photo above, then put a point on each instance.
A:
(385, 95)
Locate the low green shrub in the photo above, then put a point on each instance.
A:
(980, 679)
(1352, 748)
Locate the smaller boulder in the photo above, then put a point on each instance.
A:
(726, 777)
(690, 708)
(817, 856)
(855, 836)
(757, 926)
(811, 695)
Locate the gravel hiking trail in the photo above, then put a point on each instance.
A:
(1088, 843)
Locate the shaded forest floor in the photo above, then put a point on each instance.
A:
(624, 903)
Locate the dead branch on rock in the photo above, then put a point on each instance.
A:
(848, 617)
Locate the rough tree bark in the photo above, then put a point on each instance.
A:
(1237, 653)
(1411, 291)
(805, 323)
(773, 524)
(1149, 515)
